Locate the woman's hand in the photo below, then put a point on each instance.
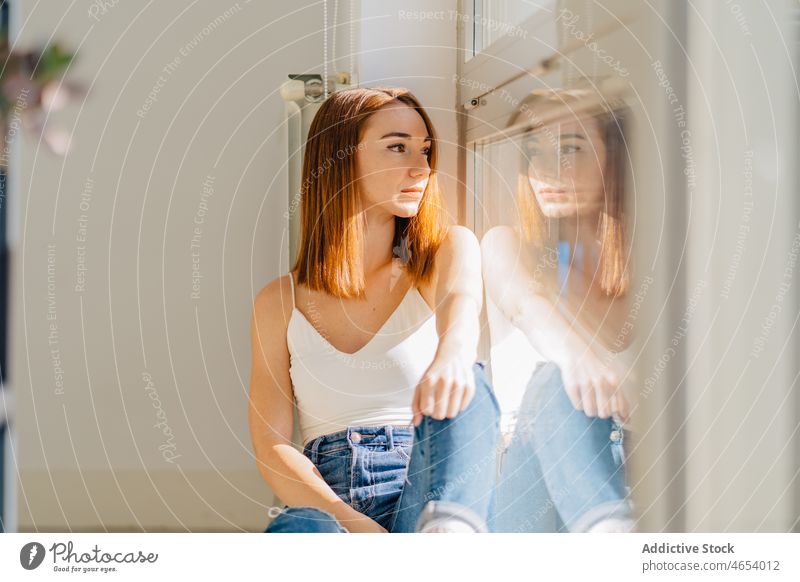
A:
(446, 387)
(592, 386)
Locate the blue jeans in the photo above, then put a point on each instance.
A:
(563, 470)
(390, 472)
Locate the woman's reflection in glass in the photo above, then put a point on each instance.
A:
(561, 276)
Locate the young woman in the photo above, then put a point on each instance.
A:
(561, 277)
(373, 336)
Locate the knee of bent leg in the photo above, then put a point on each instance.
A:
(301, 519)
(549, 393)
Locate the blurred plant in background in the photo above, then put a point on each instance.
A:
(31, 86)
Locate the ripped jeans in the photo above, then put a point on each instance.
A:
(563, 470)
(389, 473)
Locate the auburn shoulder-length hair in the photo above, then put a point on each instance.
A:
(544, 106)
(332, 222)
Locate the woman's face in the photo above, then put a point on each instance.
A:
(392, 157)
(567, 161)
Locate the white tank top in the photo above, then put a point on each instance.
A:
(371, 387)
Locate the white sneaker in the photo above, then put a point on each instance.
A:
(448, 526)
(449, 517)
(613, 525)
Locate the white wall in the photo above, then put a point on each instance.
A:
(89, 458)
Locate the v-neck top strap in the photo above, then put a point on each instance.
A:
(291, 278)
(373, 386)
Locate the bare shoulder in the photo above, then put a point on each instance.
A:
(460, 238)
(273, 304)
(499, 238)
(459, 247)
(458, 264)
(504, 248)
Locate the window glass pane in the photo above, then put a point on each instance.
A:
(495, 19)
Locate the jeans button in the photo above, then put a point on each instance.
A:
(355, 436)
(615, 435)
